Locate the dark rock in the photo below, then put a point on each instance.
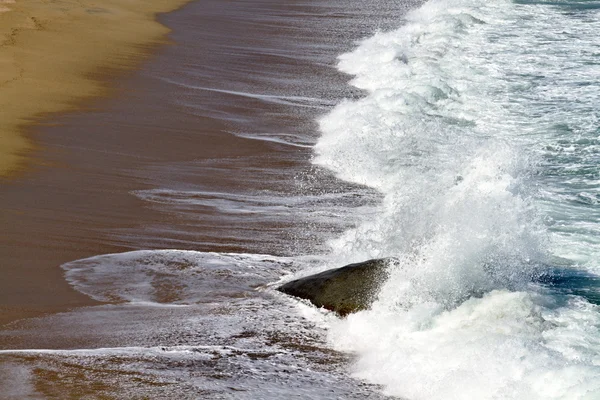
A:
(344, 290)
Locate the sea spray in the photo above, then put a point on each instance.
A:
(459, 109)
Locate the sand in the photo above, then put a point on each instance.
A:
(55, 55)
(161, 130)
(51, 52)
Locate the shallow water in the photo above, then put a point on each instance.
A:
(214, 149)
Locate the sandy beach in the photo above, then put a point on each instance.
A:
(76, 198)
(51, 54)
(54, 56)
(111, 152)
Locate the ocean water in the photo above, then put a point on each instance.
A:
(480, 128)
(471, 156)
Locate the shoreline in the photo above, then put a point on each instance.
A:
(78, 202)
(191, 131)
(54, 59)
(50, 55)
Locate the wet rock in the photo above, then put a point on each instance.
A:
(344, 290)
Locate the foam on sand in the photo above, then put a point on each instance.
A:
(51, 53)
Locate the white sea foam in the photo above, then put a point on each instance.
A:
(279, 138)
(171, 277)
(187, 325)
(463, 103)
(298, 101)
(505, 345)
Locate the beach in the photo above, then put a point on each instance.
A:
(51, 52)
(169, 180)
(104, 175)
(72, 189)
(55, 56)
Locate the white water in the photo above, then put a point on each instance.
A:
(180, 324)
(462, 130)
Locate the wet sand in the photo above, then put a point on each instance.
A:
(77, 202)
(254, 68)
(50, 53)
(53, 56)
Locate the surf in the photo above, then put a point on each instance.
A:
(462, 130)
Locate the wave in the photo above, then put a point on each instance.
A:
(465, 107)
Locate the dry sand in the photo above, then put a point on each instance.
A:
(50, 51)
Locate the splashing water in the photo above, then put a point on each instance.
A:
(472, 114)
